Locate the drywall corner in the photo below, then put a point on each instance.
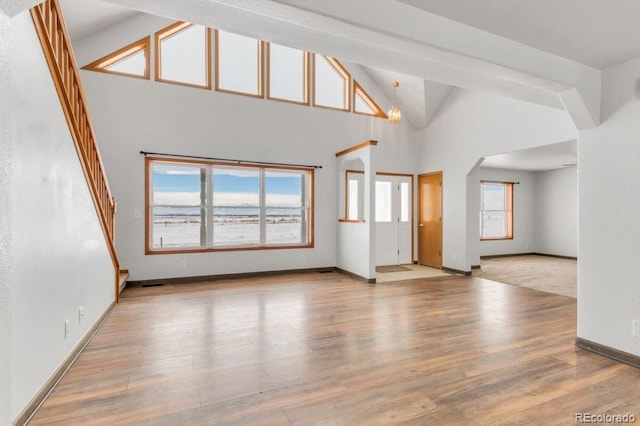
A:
(6, 253)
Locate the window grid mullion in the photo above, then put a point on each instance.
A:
(152, 201)
(263, 209)
(303, 213)
(210, 216)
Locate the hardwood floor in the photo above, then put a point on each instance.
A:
(322, 348)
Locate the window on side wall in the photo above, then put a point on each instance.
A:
(354, 195)
(496, 210)
(211, 207)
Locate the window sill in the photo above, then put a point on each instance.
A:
(350, 221)
(224, 249)
(496, 239)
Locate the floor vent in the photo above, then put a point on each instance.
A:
(153, 285)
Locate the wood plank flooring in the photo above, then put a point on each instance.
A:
(322, 348)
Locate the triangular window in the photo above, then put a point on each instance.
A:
(331, 84)
(364, 103)
(130, 61)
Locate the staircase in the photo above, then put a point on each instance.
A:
(56, 45)
(122, 279)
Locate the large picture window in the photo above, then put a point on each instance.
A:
(496, 211)
(209, 207)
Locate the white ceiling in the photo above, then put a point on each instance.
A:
(418, 99)
(409, 95)
(593, 32)
(84, 17)
(542, 158)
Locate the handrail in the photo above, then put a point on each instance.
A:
(56, 45)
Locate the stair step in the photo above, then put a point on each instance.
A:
(124, 274)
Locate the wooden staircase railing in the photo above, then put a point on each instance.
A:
(56, 45)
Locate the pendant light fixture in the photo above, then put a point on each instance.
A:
(394, 114)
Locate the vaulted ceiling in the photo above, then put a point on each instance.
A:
(395, 36)
(419, 99)
(593, 32)
(545, 52)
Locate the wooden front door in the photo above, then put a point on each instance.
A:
(430, 219)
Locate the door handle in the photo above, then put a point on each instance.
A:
(421, 225)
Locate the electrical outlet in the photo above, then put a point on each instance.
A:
(183, 264)
(636, 328)
(454, 257)
(67, 329)
(80, 314)
(136, 214)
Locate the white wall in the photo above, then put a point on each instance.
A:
(6, 252)
(609, 207)
(61, 261)
(556, 212)
(524, 205)
(355, 244)
(469, 126)
(130, 115)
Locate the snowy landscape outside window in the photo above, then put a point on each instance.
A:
(208, 207)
